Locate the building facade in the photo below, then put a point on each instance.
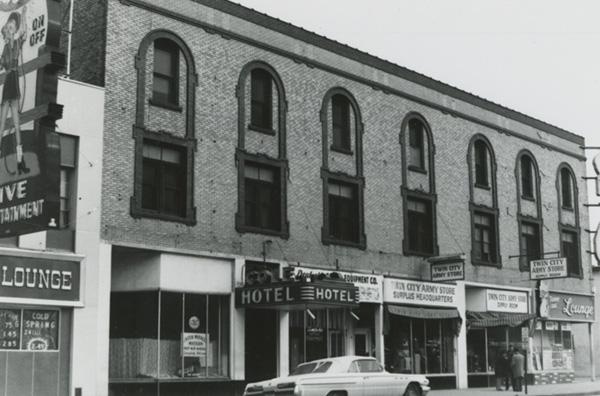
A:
(246, 161)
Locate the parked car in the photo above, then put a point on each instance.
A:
(341, 376)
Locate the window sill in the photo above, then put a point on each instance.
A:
(153, 380)
(244, 229)
(418, 254)
(259, 129)
(341, 150)
(334, 241)
(165, 105)
(528, 198)
(417, 169)
(152, 214)
(483, 186)
(567, 208)
(486, 263)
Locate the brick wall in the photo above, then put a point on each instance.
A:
(219, 61)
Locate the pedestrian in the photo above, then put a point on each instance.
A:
(517, 366)
(501, 370)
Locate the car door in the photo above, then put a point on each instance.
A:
(376, 382)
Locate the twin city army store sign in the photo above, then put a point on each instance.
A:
(548, 268)
(28, 278)
(506, 301)
(402, 291)
(297, 295)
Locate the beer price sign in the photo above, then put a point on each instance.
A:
(548, 268)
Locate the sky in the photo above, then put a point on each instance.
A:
(539, 57)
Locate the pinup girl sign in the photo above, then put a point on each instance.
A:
(23, 25)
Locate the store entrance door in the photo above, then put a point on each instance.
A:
(362, 342)
(261, 344)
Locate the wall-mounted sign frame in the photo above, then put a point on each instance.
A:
(551, 268)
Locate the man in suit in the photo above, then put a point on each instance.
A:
(517, 366)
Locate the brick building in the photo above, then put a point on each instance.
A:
(238, 148)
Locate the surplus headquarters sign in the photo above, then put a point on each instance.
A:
(29, 146)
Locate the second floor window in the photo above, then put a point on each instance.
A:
(165, 84)
(340, 110)
(262, 198)
(569, 247)
(566, 188)
(481, 164)
(261, 107)
(484, 240)
(343, 212)
(530, 244)
(416, 158)
(164, 179)
(420, 226)
(527, 178)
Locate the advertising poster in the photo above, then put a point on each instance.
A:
(40, 330)
(29, 167)
(194, 345)
(10, 329)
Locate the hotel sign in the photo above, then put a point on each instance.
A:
(370, 286)
(29, 278)
(292, 295)
(403, 291)
(548, 268)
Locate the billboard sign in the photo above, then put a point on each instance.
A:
(29, 146)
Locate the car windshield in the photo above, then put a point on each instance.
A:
(313, 367)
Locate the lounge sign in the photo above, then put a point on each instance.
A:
(403, 291)
(571, 307)
(39, 279)
(370, 286)
(548, 268)
(297, 294)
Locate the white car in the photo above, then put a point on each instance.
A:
(341, 376)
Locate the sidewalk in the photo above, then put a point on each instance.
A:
(575, 389)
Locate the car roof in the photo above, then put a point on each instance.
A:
(340, 363)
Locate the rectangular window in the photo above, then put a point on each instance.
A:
(420, 226)
(262, 197)
(164, 178)
(343, 212)
(481, 164)
(484, 239)
(341, 122)
(261, 107)
(569, 245)
(415, 142)
(530, 244)
(527, 177)
(165, 83)
(566, 190)
(193, 341)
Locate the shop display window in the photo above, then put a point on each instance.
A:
(552, 348)
(431, 350)
(168, 335)
(484, 345)
(316, 335)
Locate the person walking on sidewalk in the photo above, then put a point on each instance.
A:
(517, 366)
(502, 370)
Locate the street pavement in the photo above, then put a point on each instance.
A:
(578, 388)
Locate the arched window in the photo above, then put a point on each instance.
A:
(416, 154)
(483, 202)
(527, 179)
(568, 219)
(481, 155)
(341, 121)
(262, 169)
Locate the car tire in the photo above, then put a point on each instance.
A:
(412, 390)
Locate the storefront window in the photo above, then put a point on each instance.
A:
(484, 345)
(476, 351)
(316, 335)
(186, 338)
(553, 347)
(431, 350)
(496, 345)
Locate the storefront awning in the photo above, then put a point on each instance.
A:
(423, 313)
(479, 319)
